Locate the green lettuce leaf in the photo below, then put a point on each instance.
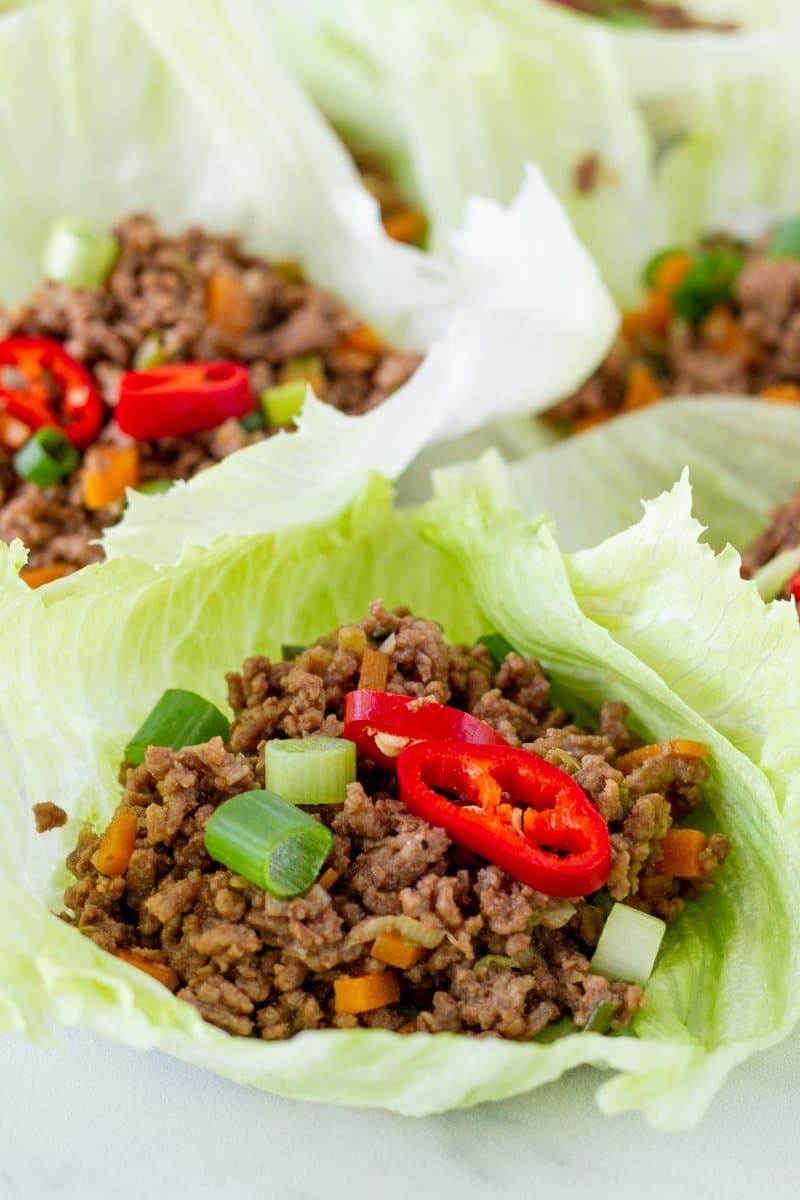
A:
(208, 127)
(743, 455)
(85, 659)
(691, 132)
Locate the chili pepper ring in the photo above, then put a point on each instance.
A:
(559, 845)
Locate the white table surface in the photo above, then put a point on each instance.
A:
(84, 1118)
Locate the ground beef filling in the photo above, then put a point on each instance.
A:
(747, 344)
(783, 534)
(511, 960)
(645, 13)
(156, 300)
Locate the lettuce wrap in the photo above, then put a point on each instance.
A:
(651, 617)
(199, 122)
(648, 137)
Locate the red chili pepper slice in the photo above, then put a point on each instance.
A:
(522, 814)
(393, 718)
(182, 398)
(50, 388)
(794, 587)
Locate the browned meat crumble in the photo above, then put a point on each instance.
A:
(746, 344)
(511, 960)
(157, 298)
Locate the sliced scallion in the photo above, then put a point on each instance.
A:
(311, 770)
(152, 352)
(290, 651)
(253, 421)
(156, 487)
(179, 719)
(497, 646)
(601, 1016)
(282, 404)
(47, 456)
(628, 945)
(269, 841)
(79, 254)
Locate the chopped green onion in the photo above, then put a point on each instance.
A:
(156, 487)
(497, 646)
(709, 282)
(628, 945)
(47, 456)
(785, 240)
(253, 421)
(601, 1016)
(78, 254)
(303, 366)
(150, 353)
(289, 651)
(311, 770)
(503, 961)
(409, 928)
(179, 719)
(269, 841)
(283, 403)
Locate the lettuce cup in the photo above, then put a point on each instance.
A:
(258, 251)
(649, 135)
(106, 644)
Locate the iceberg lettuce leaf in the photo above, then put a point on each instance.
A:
(88, 657)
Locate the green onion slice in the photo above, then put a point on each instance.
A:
(282, 404)
(156, 487)
(628, 945)
(497, 646)
(179, 719)
(78, 254)
(152, 352)
(311, 770)
(409, 928)
(269, 841)
(253, 421)
(785, 240)
(601, 1016)
(47, 456)
(290, 651)
(651, 270)
(709, 282)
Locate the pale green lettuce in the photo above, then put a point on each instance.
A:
(85, 659)
(694, 131)
(199, 121)
(744, 458)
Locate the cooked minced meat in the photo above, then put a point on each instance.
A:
(783, 534)
(723, 320)
(511, 959)
(645, 13)
(155, 307)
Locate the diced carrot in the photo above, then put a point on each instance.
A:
(677, 748)
(13, 433)
(655, 887)
(328, 878)
(680, 853)
(229, 304)
(670, 273)
(395, 951)
(641, 388)
(653, 317)
(36, 577)
(363, 993)
(782, 393)
(374, 671)
(406, 225)
(108, 471)
(364, 339)
(591, 420)
(158, 970)
(116, 845)
(721, 330)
